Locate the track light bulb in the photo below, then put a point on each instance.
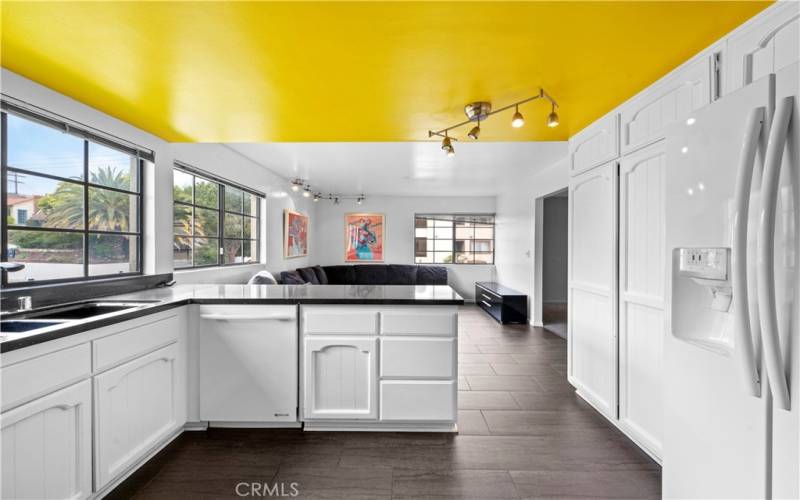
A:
(316, 197)
(475, 132)
(446, 144)
(517, 121)
(359, 201)
(295, 188)
(552, 118)
(307, 192)
(451, 152)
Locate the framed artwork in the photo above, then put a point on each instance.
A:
(295, 234)
(364, 237)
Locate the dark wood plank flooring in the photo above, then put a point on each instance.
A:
(523, 433)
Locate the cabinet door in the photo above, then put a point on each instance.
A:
(46, 446)
(768, 43)
(136, 407)
(340, 378)
(641, 294)
(594, 145)
(643, 119)
(592, 336)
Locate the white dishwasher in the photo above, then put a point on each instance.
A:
(247, 363)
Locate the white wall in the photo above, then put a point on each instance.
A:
(554, 249)
(516, 245)
(328, 230)
(213, 158)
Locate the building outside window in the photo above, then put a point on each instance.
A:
(454, 238)
(71, 202)
(215, 222)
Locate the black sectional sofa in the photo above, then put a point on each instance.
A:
(366, 274)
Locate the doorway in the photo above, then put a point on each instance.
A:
(554, 262)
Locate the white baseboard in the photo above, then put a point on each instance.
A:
(380, 427)
(255, 425)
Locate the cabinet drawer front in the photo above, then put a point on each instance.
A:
(418, 357)
(36, 377)
(333, 321)
(419, 322)
(418, 400)
(115, 349)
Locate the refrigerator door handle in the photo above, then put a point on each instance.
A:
(766, 246)
(744, 176)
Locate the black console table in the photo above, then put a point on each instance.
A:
(503, 304)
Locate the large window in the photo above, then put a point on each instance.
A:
(454, 239)
(215, 222)
(71, 204)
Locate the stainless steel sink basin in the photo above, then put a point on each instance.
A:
(22, 325)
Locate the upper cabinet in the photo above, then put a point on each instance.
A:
(643, 118)
(596, 144)
(763, 46)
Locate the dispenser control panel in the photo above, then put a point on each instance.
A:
(706, 263)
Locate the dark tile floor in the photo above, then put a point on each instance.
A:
(523, 434)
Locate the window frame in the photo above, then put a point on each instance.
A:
(453, 219)
(221, 211)
(85, 232)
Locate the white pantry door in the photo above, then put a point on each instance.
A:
(641, 294)
(592, 335)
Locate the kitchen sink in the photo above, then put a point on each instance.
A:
(22, 326)
(83, 310)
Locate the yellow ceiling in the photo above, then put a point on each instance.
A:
(358, 71)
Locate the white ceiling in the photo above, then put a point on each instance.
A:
(405, 168)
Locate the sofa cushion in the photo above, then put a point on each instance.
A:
(401, 275)
(263, 278)
(291, 278)
(431, 275)
(340, 275)
(308, 275)
(371, 274)
(321, 276)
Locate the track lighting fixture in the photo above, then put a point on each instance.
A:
(479, 111)
(475, 132)
(307, 192)
(359, 201)
(316, 197)
(297, 184)
(517, 121)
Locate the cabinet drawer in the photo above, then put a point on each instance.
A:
(412, 400)
(418, 357)
(114, 349)
(339, 320)
(416, 322)
(36, 377)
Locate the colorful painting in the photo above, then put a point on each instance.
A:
(295, 234)
(364, 237)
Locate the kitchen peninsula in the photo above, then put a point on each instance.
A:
(154, 362)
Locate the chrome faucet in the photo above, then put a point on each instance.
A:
(11, 267)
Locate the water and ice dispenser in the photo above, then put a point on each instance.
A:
(702, 297)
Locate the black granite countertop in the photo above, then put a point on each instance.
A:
(160, 299)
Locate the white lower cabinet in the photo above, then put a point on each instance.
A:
(394, 368)
(340, 376)
(136, 408)
(46, 446)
